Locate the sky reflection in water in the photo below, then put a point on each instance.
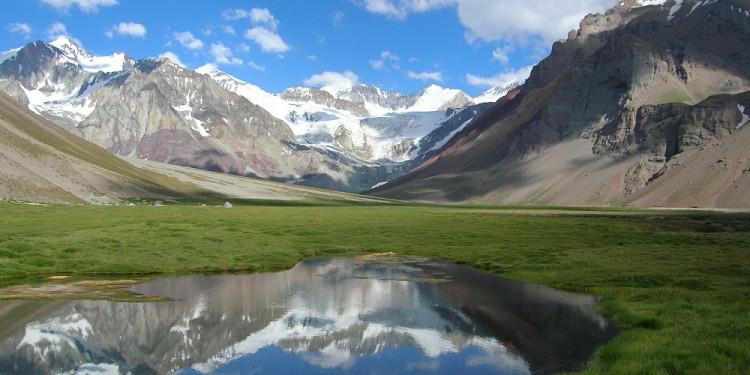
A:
(376, 315)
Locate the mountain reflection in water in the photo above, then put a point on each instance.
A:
(377, 315)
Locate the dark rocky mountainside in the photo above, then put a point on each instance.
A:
(642, 105)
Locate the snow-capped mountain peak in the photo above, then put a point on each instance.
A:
(209, 69)
(8, 54)
(71, 49)
(340, 88)
(494, 94)
(436, 98)
(251, 92)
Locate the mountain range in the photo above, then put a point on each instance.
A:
(642, 105)
(41, 162)
(348, 139)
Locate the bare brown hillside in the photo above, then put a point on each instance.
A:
(643, 105)
(41, 162)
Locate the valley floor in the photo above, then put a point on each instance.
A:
(239, 187)
(675, 281)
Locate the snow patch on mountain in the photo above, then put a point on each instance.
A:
(738, 9)
(433, 98)
(445, 140)
(701, 3)
(675, 8)
(388, 136)
(672, 11)
(745, 118)
(646, 3)
(58, 99)
(494, 94)
(8, 54)
(272, 103)
(186, 110)
(77, 55)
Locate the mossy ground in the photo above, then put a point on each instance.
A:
(677, 282)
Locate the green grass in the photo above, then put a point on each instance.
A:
(677, 282)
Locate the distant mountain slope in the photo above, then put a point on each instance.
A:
(41, 162)
(642, 105)
(239, 187)
(155, 110)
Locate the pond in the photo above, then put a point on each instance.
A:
(394, 315)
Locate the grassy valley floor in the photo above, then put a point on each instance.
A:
(677, 282)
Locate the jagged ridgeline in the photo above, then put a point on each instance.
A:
(645, 104)
(348, 139)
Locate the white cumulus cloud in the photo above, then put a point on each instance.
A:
(500, 79)
(401, 8)
(264, 17)
(337, 18)
(87, 6)
(268, 40)
(258, 16)
(228, 29)
(243, 47)
(514, 21)
(523, 21)
(173, 58)
(385, 56)
(223, 55)
(265, 31)
(501, 54)
(127, 29)
(425, 76)
(57, 30)
(333, 81)
(187, 40)
(255, 66)
(20, 28)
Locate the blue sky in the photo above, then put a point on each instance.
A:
(397, 45)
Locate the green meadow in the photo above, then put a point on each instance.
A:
(676, 282)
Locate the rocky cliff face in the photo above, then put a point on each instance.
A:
(634, 86)
(159, 111)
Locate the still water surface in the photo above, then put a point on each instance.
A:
(390, 315)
